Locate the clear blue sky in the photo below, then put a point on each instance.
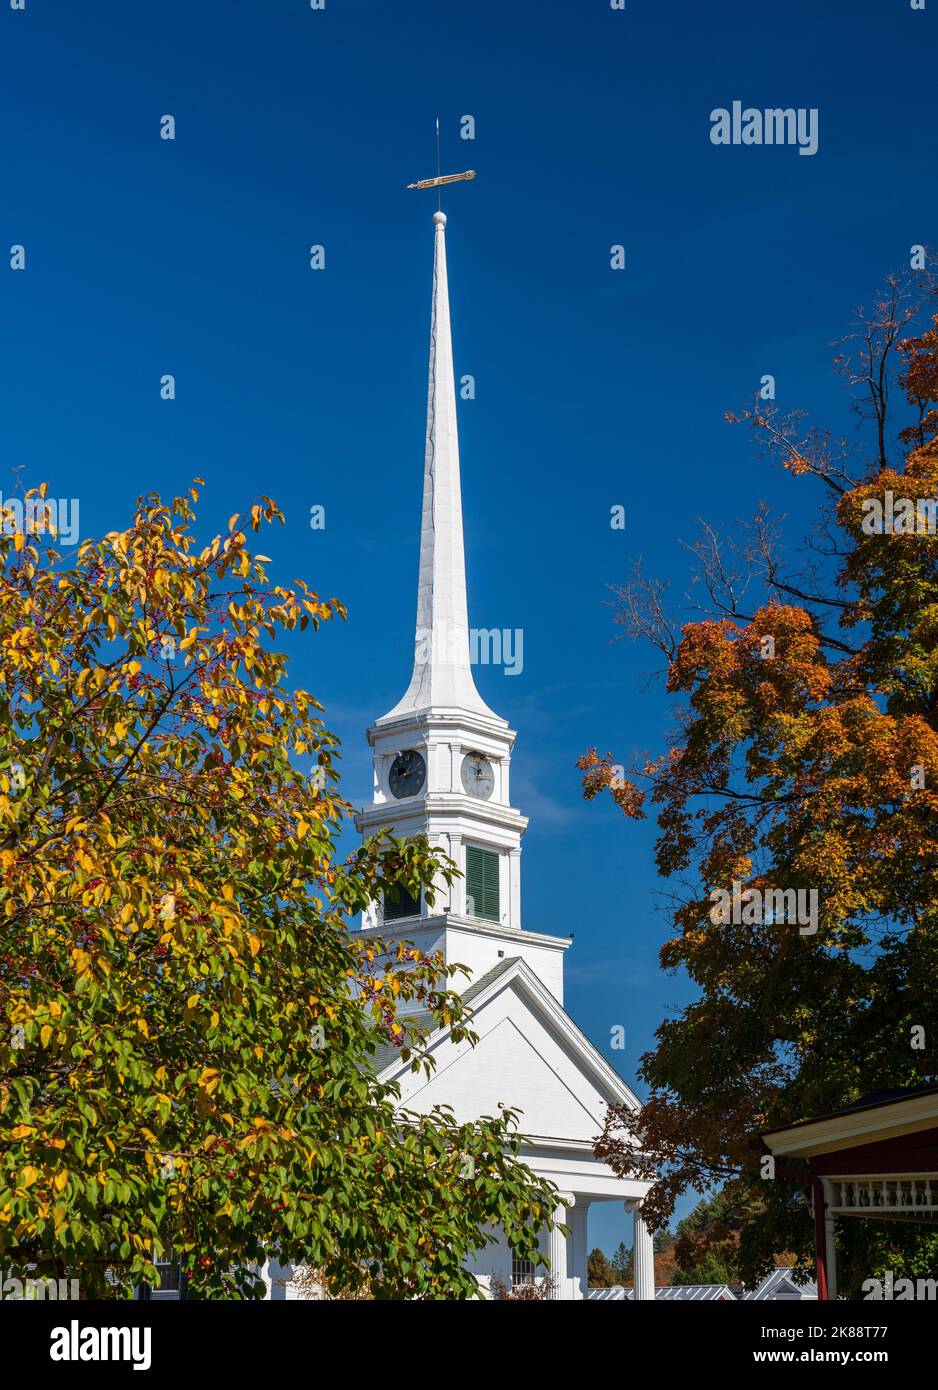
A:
(594, 387)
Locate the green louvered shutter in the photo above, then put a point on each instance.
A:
(482, 867)
(474, 884)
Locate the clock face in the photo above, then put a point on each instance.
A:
(478, 776)
(408, 773)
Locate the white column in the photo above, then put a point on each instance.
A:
(514, 888)
(830, 1246)
(457, 889)
(276, 1276)
(643, 1255)
(440, 842)
(577, 1254)
(557, 1248)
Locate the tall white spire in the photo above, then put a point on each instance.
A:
(441, 758)
(442, 676)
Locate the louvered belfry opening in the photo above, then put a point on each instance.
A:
(404, 905)
(482, 874)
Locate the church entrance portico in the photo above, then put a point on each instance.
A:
(568, 1252)
(531, 1055)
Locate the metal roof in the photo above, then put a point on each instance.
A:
(773, 1284)
(686, 1293)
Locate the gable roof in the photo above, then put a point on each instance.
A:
(896, 1115)
(781, 1284)
(515, 973)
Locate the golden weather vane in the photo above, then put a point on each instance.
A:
(440, 180)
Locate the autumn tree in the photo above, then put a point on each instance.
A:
(188, 1024)
(622, 1261)
(705, 1242)
(599, 1272)
(806, 760)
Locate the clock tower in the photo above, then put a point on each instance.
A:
(441, 757)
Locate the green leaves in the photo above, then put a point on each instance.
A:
(188, 1025)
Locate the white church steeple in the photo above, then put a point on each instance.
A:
(442, 676)
(441, 756)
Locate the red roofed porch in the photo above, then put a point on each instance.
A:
(877, 1159)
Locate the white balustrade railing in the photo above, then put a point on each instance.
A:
(853, 1196)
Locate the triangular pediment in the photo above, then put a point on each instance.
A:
(506, 1069)
(530, 1056)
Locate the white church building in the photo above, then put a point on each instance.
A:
(442, 763)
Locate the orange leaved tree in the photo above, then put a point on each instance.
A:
(798, 808)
